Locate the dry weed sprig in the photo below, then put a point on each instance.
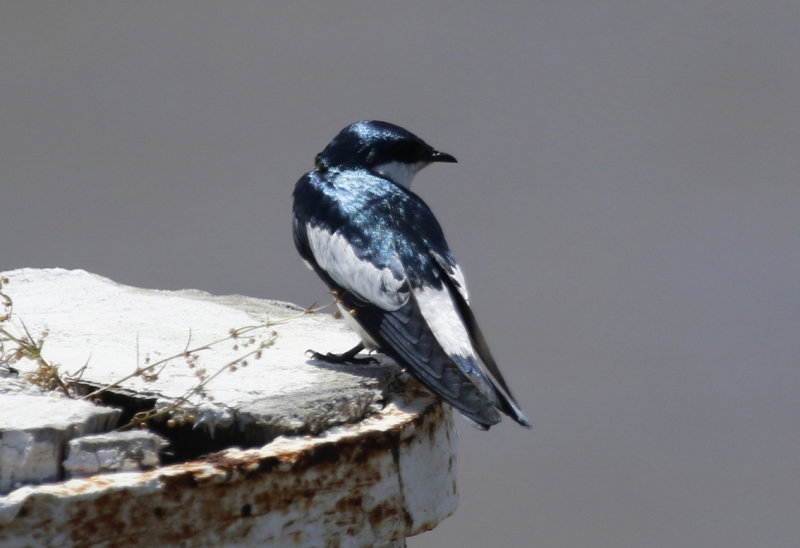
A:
(190, 355)
(46, 374)
(141, 418)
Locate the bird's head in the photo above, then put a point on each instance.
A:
(382, 148)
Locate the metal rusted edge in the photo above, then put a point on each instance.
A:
(401, 419)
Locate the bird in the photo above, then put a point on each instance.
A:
(383, 255)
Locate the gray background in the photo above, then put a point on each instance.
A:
(625, 209)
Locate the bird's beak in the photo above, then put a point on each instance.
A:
(442, 157)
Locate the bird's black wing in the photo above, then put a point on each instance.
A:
(455, 280)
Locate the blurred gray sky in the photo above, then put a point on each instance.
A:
(625, 209)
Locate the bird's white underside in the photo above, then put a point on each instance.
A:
(351, 322)
(398, 172)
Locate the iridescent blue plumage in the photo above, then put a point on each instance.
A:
(379, 246)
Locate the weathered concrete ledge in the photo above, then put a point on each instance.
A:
(281, 450)
(380, 480)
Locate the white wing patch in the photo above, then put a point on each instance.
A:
(338, 258)
(454, 273)
(444, 320)
(437, 307)
(460, 283)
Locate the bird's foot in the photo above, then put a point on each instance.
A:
(345, 357)
(340, 358)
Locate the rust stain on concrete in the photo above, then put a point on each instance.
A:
(355, 484)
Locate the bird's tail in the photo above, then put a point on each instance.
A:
(510, 408)
(493, 389)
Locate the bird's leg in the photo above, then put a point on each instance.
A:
(345, 357)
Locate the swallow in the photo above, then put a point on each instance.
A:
(380, 250)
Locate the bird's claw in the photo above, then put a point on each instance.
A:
(340, 358)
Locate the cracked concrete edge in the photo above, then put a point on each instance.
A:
(34, 431)
(113, 452)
